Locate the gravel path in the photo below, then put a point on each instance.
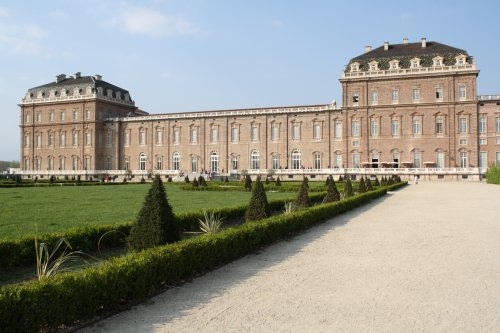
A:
(423, 259)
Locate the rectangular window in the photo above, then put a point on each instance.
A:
(497, 157)
(317, 161)
(159, 162)
(462, 125)
(87, 114)
(254, 133)
(50, 139)
(395, 127)
(74, 141)
(374, 97)
(355, 99)
(439, 126)
(51, 116)
(462, 142)
(497, 124)
(355, 160)
(482, 124)
(439, 94)
(159, 136)
(62, 116)
(355, 128)
(338, 160)
(374, 127)
(62, 139)
(194, 164)
(235, 134)
(27, 121)
(295, 132)
(109, 138)
(194, 134)
(338, 129)
(463, 159)
(214, 136)
(88, 141)
(483, 142)
(75, 114)
(395, 96)
(275, 134)
(416, 127)
(317, 132)
(234, 162)
(142, 137)
(177, 136)
(462, 93)
(439, 159)
(417, 159)
(127, 138)
(38, 117)
(416, 95)
(275, 162)
(61, 163)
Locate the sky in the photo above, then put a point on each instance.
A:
(197, 55)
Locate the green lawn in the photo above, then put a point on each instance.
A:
(59, 208)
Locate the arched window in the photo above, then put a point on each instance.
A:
(142, 161)
(214, 162)
(176, 161)
(254, 160)
(296, 159)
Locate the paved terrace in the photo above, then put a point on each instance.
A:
(423, 259)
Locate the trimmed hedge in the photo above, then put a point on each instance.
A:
(80, 295)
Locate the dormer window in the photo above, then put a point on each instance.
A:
(437, 61)
(415, 63)
(460, 59)
(354, 67)
(394, 64)
(373, 65)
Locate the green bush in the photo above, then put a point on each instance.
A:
(69, 297)
(155, 223)
(302, 200)
(258, 208)
(332, 193)
(493, 174)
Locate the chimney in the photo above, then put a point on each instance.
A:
(368, 48)
(424, 42)
(98, 77)
(78, 75)
(60, 77)
(386, 46)
(405, 41)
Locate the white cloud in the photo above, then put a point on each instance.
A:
(145, 21)
(23, 40)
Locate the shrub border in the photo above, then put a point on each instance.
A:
(80, 295)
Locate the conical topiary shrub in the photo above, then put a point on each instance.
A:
(369, 186)
(348, 192)
(376, 182)
(277, 182)
(362, 185)
(258, 208)
(302, 200)
(332, 193)
(248, 183)
(155, 224)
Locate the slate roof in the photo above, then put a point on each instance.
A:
(79, 81)
(407, 51)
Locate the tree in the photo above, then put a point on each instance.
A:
(362, 185)
(348, 188)
(278, 182)
(202, 181)
(186, 179)
(376, 183)
(155, 224)
(195, 182)
(302, 200)
(369, 186)
(248, 183)
(258, 208)
(332, 193)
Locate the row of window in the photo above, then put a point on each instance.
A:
(235, 130)
(52, 116)
(415, 95)
(255, 161)
(62, 137)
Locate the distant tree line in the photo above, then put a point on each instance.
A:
(4, 165)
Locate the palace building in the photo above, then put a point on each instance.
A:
(409, 107)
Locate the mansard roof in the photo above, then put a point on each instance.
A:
(78, 80)
(75, 87)
(404, 52)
